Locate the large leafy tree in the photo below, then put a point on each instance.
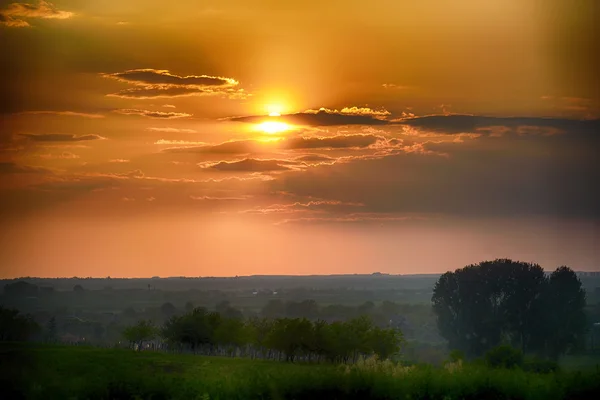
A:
(565, 319)
(504, 301)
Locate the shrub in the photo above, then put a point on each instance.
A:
(504, 356)
(539, 365)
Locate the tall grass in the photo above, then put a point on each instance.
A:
(87, 373)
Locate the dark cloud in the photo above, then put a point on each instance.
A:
(65, 113)
(161, 91)
(295, 143)
(452, 124)
(153, 83)
(233, 147)
(58, 137)
(14, 168)
(314, 158)
(318, 118)
(250, 165)
(150, 76)
(508, 176)
(152, 114)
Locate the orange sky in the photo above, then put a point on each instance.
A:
(404, 136)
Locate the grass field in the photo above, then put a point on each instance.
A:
(56, 372)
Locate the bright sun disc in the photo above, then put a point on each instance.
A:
(273, 127)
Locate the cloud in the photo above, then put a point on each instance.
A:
(62, 156)
(12, 15)
(152, 114)
(14, 168)
(172, 130)
(249, 165)
(457, 123)
(315, 158)
(169, 106)
(382, 113)
(394, 86)
(318, 206)
(118, 160)
(153, 83)
(58, 137)
(65, 113)
(515, 175)
(178, 142)
(332, 142)
(149, 76)
(352, 141)
(213, 198)
(323, 117)
(352, 218)
(232, 147)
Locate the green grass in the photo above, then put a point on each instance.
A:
(56, 372)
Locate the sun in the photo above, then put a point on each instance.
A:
(274, 110)
(272, 127)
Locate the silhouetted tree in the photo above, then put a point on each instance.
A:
(15, 326)
(480, 306)
(565, 319)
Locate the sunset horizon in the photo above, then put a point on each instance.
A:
(214, 138)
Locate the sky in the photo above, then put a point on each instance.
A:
(219, 138)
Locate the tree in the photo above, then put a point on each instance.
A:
(78, 289)
(565, 320)
(480, 306)
(139, 333)
(273, 309)
(168, 309)
(51, 329)
(189, 306)
(15, 326)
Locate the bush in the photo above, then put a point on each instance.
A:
(504, 356)
(540, 366)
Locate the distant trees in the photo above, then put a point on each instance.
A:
(289, 339)
(505, 301)
(168, 310)
(21, 289)
(15, 326)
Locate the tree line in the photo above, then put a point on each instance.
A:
(285, 339)
(510, 302)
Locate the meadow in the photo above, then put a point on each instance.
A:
(60, 372)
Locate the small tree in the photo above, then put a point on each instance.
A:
(51, 330)
(139, 333)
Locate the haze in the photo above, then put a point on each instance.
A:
(218, 138)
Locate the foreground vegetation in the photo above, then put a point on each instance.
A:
(57, 372)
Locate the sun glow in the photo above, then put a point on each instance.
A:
(274, 110)
(273, 127)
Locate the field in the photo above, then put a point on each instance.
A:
(57, 372)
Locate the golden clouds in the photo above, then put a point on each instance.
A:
(13, 16)
(154, 83)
